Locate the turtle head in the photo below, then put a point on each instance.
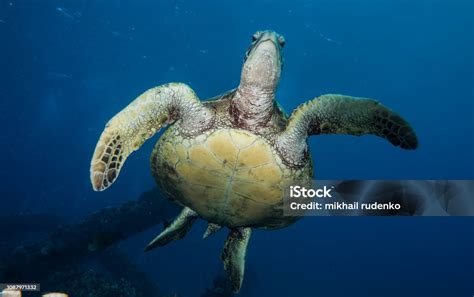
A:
(263, 61)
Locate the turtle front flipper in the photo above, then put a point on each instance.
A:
(140, 120)
(176, 230)
(339, 114)
(233, 256)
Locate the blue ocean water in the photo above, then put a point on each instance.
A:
(68, 66)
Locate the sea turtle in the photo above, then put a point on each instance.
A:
(229, 159)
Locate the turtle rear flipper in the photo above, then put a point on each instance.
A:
(140, 120)
(233, 256)
(176, 230)
(339, 114)
(211, 229)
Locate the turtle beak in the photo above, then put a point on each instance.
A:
(260, 37)
(263, 61)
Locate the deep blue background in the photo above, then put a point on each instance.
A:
(68, 66)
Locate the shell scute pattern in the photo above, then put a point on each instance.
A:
(229, 176)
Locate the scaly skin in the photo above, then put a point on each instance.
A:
(339, 114)
(140, 120)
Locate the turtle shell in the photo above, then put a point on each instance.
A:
(230, 177)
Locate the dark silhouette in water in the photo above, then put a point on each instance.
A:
(71, 244)
(52, 261)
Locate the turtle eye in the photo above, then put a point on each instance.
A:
(281, 41)
(255, 36)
